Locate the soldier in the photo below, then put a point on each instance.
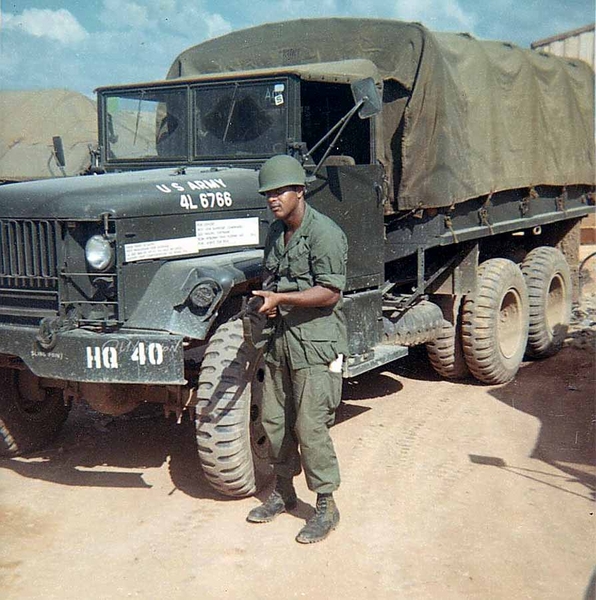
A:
(306, 254)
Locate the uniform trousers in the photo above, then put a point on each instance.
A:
(298, 410)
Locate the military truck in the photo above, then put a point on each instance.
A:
(459, 170)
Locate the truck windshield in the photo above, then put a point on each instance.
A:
(230, 120)
(241, 119)
(147, 124)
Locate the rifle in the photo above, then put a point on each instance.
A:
(253, 321)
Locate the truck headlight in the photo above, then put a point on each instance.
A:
(99, 252)
(203, 294)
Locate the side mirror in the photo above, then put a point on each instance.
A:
(59, 151)
(367, 96)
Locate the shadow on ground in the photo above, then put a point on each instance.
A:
(559, 392)
(145, 439)
(140, 440)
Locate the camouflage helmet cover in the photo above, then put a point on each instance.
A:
(280, 171)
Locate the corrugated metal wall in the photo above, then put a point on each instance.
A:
(578, 43)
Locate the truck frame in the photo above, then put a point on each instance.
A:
(130, 285)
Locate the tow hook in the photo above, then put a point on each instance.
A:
(49, 327)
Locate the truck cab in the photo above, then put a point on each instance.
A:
(227, 119)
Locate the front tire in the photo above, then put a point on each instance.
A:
(232, 446)
(495, 322)
(30, 416)
(548, 279)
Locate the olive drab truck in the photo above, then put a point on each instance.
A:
(459, 170)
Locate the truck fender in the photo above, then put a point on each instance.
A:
(166, 303)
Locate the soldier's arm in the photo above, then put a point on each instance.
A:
(316, 296)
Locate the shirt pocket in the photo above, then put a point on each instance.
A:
(272, 262)
(299, 260)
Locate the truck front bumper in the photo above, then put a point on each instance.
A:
(126, 356)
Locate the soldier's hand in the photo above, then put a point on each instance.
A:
(270, 302)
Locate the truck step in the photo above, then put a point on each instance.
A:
(380, 355)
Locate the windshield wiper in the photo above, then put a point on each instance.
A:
(134, 141)
(231, 112)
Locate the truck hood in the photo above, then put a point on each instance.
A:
(132, 194)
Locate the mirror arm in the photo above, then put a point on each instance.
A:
(341, 124)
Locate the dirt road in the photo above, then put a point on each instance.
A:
(449, 491)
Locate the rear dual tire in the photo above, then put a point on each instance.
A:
(548, 279)
(446, 353)
(495, 322)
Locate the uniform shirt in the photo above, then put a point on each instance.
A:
(315, 255)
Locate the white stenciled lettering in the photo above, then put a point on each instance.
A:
(152, 352)
(186, 202)
(110, 358)
(102, 358)
(196, 185)
(155, 354)
(206, 184)
(219, 199)
(57, 355)
(138, 354)
(93, 357)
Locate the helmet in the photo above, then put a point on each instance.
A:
(279, 171)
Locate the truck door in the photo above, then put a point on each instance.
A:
(351, 196)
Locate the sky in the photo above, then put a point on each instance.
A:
(83, 44)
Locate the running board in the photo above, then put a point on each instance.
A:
(378, 356)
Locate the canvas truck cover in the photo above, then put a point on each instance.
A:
(29, 121)
(461, 117)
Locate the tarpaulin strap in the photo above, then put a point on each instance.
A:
(449, 225)
(561, 200)
(524, 204)
(484, 215)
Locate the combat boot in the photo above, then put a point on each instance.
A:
(323, 522)
(281, 499)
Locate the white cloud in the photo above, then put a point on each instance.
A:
(124, 15)
(59, 25)
(191, 22)
(216, 25)
(436, 14)
(155, 18)
(139, 39)
(306, 8)
(167, 5)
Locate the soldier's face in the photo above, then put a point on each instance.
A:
(284, 201)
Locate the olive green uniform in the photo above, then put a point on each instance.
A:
(301, 393)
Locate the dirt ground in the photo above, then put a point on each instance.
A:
(449, 491)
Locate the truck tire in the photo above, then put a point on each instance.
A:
(30, 416)
(232, 446)
(446, 354)
(495, 322)
(548, 279)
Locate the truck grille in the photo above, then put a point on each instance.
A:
(28, 256)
